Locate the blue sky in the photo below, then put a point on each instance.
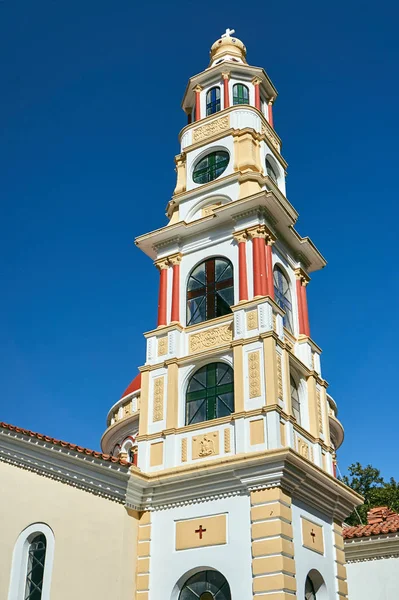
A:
(89, 119)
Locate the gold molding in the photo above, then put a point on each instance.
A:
(159, 385)
(162, 345)
(205, 445)
(254, 374)
(210, 338)
(208, 130)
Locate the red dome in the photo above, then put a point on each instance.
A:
(133, 386)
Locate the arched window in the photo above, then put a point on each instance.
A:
(210, 291)
(271, 170)
(32, 564)
(310, 593)
(210, 393)
(282, 295)
(211, 166)
(206, 585)
(35, 567)
(296, 407)
(240, 94)
(213, 101)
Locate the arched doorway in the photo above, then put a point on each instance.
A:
(205, 585)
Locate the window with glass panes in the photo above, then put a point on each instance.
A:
(206, 585)
(210, 393)
(271, 170)
(210, 290)
(35, 568)
(282, 295)
(211, 166)
(296, 407)
(213, 101)
(240, 94)
(310, 593)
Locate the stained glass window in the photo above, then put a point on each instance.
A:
(35, 569)
(210, 291)
(211, 166)
(210, 393)
(296, 407)
(271, 170)
(240, 94)
(213, 101)
(282, 294)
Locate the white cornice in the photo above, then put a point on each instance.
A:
(91, 474)
(372, 548)
(283, 468)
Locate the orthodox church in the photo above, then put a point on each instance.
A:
(216, 479)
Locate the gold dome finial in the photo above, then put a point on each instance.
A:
(228, 48)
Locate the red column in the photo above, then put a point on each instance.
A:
(163, 291)
(299, 298)
(305, 314)
(259, 263)
(257, 96)
(269, 269)
(175, 313)
(241, 239)
(226, 99)
(270, 113)
(301, 283)
(197, 91)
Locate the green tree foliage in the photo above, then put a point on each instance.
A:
(368, 482)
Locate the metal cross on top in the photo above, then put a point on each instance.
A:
(200, 531)
(228, 33)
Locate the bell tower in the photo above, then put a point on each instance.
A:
(230, 420)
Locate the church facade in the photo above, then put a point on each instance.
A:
(216, 478)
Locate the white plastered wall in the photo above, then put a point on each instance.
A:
(373, 579)
(233, 560)
(306, 560)
(94, 538)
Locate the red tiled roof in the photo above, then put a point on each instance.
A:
(381, 520)
(133, 386)
(55, 442)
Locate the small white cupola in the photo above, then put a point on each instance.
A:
(228, 49)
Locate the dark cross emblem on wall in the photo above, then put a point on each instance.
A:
(200, 531)
(312, 533)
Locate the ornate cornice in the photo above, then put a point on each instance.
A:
(108, 480)
(372, 548)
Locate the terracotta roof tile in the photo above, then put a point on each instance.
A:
(381, 520)
(55, 442)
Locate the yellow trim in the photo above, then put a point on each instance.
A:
(172, 396)
(271, 375)
(143, 421)
(156, 454)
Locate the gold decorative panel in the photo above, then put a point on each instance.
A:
(156, 454)
(205, 445)
(304, 449)
(227, 440)
(184, 450)
(268, 133)
(254, 374)
(162, 345)
(199, 532)
(252, 320)
(126, 408)
(210, 338)
(158, 399)
(256, 432)
(318, 399)
(210, 129)
(312, 536)
(279, 375)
